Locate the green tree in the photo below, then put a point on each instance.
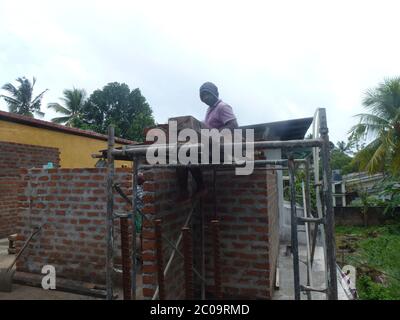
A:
(116, 104)
(20, 99)
(74, 101)
(340, 160)
(380, 127)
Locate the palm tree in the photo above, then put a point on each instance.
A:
(73, 104)
(380, 127)
(20, 99)
(342, 146)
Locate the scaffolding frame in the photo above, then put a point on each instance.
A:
(325, 218)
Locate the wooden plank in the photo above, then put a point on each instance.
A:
(73, 286)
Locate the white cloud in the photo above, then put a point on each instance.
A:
(272, 60)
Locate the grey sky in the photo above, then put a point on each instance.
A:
(272, 60)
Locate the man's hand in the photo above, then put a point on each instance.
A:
(232, 124)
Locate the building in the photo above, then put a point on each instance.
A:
(346, 188)
(75, 146)
(31, 143)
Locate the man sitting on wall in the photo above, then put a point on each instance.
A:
(219, 116)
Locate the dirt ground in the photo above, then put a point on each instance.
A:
(24, 292)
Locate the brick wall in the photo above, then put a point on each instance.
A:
(72, 204)
(160, 191)
(248, 214)
(14, 156)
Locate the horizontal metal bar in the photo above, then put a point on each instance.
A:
(308, 288)
(118, 215)
(142, 149)
(313, 220)
(255, 163)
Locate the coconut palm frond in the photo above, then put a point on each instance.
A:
(19, 99)
(11, 89)
(40, 113)
(39, 96)
(73, 102)
(375, 163)
(60, 120)
(58, 108)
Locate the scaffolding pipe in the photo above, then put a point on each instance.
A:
(126, 262)
(135, 166)
(142, 149)
(217, 259)
(294, 240)
(327, 189)
(109, 217)
(175, 249)
(160, 259)
(188, 262)
(203, 261)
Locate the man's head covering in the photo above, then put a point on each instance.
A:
(209, 87)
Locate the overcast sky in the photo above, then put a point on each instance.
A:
(272, 60)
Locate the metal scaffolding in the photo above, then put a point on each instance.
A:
(320, 222)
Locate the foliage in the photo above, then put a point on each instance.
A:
(342, 161)
(376, 255)
(73, 107)
(117, 105)
(382, 125)
(369, 290)
(20, 99)
(299, 178)
(390, 193)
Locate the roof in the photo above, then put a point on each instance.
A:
(281, 130)
(12, 117)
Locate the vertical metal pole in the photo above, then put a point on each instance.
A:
(109, 218)
(203, 261)
(160, 260)
(135, 165)
(188, 262)
(215, 192)
(294, 240)
(330, 224)
(307, 229)
(126, 261)
(313, 227)
(307, 187)
(217, 260)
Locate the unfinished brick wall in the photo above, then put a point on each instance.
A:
(14, 156)
(248, 213)
(72, 204)
(160, 191)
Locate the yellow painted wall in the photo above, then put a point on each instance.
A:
(75, 151)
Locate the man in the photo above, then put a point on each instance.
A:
(219, 116)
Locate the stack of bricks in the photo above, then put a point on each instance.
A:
(71, 204)
(14, 156)
(248, 214)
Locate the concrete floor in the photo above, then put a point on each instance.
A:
(24, 292)
(285, 263)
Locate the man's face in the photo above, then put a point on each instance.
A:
(208, 98)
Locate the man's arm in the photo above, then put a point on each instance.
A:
(231, 124)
